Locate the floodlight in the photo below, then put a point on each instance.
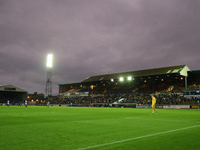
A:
(48, 89)
(112, 80)
(121, 79)
(49, 60)
(129, 78)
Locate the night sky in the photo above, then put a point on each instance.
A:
(94, 37)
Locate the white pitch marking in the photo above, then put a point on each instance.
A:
(155, 119)
(141, 137)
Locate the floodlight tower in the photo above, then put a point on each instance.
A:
(48, 90)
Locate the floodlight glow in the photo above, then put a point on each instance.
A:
(112, 80)
(129, 78)
(121, 79)
(49, 60)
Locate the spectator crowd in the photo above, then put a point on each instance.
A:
(143, 99)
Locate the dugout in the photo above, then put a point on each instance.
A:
(12, 93)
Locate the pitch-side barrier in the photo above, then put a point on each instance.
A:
(120, 105)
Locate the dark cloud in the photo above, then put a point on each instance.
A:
(93, 37)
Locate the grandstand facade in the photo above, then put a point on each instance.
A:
(12, 93)
(160, 80)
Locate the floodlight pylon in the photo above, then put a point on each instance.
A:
(48, 89)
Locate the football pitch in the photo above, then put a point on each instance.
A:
(79, 128)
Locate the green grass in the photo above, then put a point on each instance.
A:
(67, 128)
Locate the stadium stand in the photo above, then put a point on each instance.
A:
(12, 93)
(176, 85)
(168, 83)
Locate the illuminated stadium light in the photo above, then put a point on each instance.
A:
(121, 79)
(91, 87)
(48, 89)
(112, 80)
(129, 78)
(49, 60)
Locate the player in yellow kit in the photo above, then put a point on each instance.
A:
(154, 104)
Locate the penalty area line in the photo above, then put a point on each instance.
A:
(131, 139)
